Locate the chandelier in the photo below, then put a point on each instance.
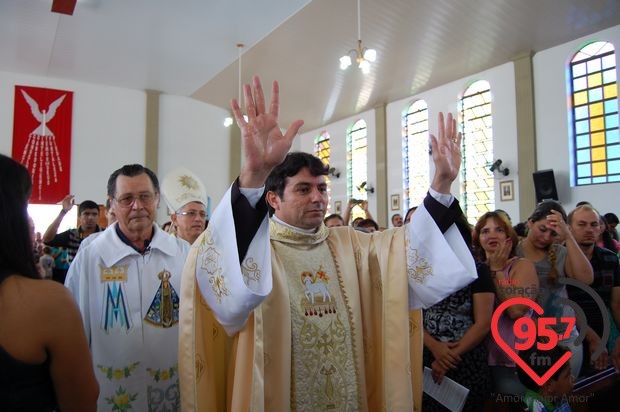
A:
(362, 55)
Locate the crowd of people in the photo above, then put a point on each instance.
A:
(268, 304)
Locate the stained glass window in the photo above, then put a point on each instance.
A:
(322, 151)
(357, 164)
(477, 181)
(415, 154)
(594, 96)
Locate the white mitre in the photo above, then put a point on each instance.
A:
(180, 187)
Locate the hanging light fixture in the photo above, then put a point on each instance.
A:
(229, 120)
(362, 55)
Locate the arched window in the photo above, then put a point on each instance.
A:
(594, 97)
(357, 164)
(322, 151)
(477, 181)
(415, 154)
(321, 147)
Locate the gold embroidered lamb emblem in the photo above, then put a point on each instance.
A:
(317, 300)
(418, 268)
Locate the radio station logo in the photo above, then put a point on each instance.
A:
(539, 331)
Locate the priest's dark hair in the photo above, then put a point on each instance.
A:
(292, 164)
(16, 248)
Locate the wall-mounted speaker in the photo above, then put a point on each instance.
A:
(544, 185)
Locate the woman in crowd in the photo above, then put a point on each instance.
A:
(605, 239)
(455, 330)
(45, 362)
(554, 262)
(494, 243)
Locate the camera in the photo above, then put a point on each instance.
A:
(496, 164)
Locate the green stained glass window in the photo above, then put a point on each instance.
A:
(594, 97)
(415, 154)
(477, 181)
(357, 164)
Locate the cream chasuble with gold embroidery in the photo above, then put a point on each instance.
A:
(321, 321)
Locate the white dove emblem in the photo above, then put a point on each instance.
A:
(43, 116)
(41, 147)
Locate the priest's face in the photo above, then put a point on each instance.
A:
(304, 201)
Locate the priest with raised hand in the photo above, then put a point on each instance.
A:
(320, 318)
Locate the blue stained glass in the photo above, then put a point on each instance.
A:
(611, 121)
(594, 66)
(615, 178)
(613, 152)
(583, 181)
(579, 69)
(582, 126)
(583, 156)
(595, 94)
(580, 84)
(601, 179)
(609, 61)
(611, 106)
(583, 170)
(612, 136)
(613, 167)
(581, 112)
(609, 76)
(583, 141)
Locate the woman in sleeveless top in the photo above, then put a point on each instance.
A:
(45, 362)
(494, 242)
(547, 227)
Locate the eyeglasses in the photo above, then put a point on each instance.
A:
(193, 213)
(127, 200)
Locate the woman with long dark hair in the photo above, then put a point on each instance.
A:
(554, 262)
(45, 362)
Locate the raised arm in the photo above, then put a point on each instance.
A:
(52, 229)
(446, 151)
(264, 145)
(577, 265)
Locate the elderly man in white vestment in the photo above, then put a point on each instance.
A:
(321, 319)
(127, 284)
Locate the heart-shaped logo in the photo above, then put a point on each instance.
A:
(540, 380)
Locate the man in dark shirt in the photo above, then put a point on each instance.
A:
(88, 213)
(585, 226)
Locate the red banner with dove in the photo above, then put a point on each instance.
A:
(42, 140)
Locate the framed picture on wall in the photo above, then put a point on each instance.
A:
(338, 207)
(506, 190)
(395, 202)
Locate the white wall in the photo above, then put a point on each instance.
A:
(444, 99)
(338, 155)
(192, 134)
(108, 129)
(552, 122)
